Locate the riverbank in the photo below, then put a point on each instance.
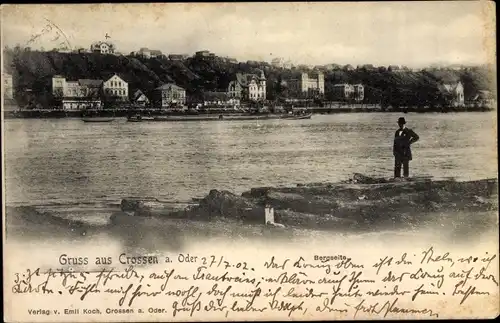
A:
(361, 204)
(45, 113)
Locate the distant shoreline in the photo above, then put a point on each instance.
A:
(56, 114)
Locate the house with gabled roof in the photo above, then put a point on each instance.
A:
(454, 92)
(168, 94)
(102, 47)
(139, 98)
(248, 87)
(116, 87)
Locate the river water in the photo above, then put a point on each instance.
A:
(66, 161)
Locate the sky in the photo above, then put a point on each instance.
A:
(415, 34)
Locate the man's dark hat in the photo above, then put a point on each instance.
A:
(402, 120)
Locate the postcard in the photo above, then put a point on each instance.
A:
(249, 161)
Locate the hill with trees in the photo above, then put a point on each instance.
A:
(33, 70)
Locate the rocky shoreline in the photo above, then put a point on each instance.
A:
(360, 203)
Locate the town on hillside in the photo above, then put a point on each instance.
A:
(102, 78)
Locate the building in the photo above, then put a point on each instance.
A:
(79, 104)
(221, 99)
(115, 87)
(453, 93)
(82, 88)
(231, 60)
(343, 92)
(77, 95)
(157, 54)
(306, 85)
(144, 52)
(168, 94)
(281, 63)
(359, 92)
(248, 87)
(483, 98)
(58, 86)
(149, 53)
(140, 99)
(102, 47)
(203, 53)
(81, 50)
(277, 62)
(8, 92)
(177, 57)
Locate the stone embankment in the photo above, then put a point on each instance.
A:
(360, 202)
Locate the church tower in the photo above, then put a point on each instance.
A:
(262, 81)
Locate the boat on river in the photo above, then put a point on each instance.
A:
(139, 118)
(299, 117)
(97, 119)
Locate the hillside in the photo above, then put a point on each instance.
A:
(34, 70)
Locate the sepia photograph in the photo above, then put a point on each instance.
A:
(249, 161)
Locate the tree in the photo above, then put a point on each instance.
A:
(58, 93)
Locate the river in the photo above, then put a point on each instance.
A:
(65, 161)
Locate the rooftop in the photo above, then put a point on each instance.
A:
(169, 86)
(90, 83)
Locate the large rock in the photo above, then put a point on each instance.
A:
(152, 207)
(308, 220)
(228, 205)
(301, 203)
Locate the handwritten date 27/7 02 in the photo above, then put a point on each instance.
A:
(213, 261)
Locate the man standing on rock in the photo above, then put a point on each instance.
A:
(403, 139)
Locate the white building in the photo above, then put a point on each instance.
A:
(455, 93)
(281, 63)
(248, 86)
(168, 94)
(343, 91)
(82, 88)
(359, 92)
(102, 47)
(77, 95)
(306, 86)
(116, 87)
(7, 86)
